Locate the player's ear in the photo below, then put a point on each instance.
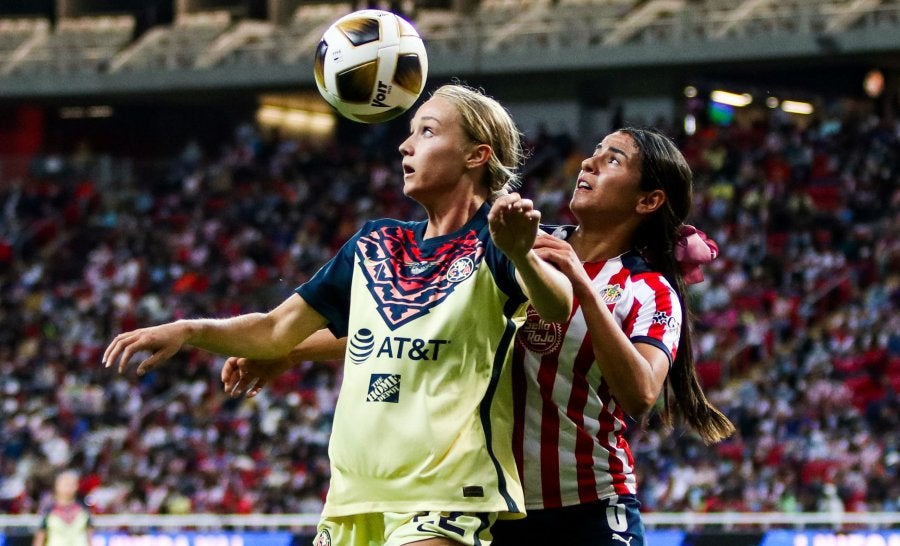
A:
(651, 201)
(479, 155)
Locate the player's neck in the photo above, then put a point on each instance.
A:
(593, 246)
(451, 215)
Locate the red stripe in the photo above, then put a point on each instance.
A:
(550, 482)
(520, 392)
(584, 443)
(586, 478)
(592, 268)
(608, 419)
(620, 277)
(663, 303)
(549, 432)
(619, 483)
(631, 318)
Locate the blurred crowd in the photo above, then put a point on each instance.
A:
(797, 329)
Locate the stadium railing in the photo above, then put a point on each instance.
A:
(682, 520)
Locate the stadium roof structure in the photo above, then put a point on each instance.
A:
(74, 52)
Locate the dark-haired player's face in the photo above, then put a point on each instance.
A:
(609, 181)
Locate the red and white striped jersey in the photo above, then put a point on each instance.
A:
(568, 435)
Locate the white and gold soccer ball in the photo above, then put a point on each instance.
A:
(371, 65)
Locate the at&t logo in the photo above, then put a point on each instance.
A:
(363, 344)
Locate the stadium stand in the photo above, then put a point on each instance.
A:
(76, 45)
(179, 45)
(18, 37)
(797, 322)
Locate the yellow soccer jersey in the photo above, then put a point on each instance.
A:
(66, 525)
(424, 417)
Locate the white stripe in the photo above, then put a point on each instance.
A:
(562, 394)
(532, 442)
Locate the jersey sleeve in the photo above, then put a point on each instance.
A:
(656, 314)
(328, 291)
(89, 523)
(504, 273)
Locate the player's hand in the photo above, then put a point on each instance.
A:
(161, 341)
(513, 223)
(248, 377)
(562, 255)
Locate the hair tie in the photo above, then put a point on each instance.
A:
(692, 249)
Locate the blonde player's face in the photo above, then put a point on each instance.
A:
(609, 181)
(434, 158)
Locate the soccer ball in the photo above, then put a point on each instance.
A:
(371, 65)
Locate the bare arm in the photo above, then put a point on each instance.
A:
(635, 372)
(514, 227)
(256, 335)
(249, 376)
(40, 536)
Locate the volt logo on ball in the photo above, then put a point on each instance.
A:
(381, 95)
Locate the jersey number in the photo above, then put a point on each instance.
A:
(443, 522)
(615, 518)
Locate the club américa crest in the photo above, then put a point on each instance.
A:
(323, 538)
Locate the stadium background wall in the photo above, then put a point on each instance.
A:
(557, 79)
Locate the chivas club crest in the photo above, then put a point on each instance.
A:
(611, 294)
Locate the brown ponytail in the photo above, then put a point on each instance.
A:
(664, 167)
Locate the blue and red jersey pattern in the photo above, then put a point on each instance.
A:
(424, 415)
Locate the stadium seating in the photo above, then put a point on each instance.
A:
(796, 324)
(76, 45)
(797, 339)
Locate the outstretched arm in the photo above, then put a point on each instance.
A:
(248, 376)
(265, 336)
(635, 372)
(514, 226)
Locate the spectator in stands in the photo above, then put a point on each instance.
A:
(426, 460)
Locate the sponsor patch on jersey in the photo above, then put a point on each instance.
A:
(665, 319)
(323, 538)
(538, 336)
(384, 387)
(611, 294)
(417, 268)
(405, 292)
(361, 345)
